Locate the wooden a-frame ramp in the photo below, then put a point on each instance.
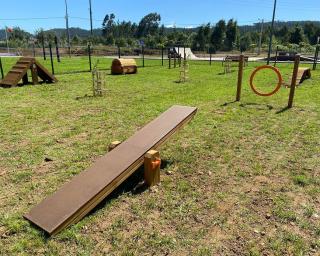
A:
(303, 74)
(20, 72)
(86, 190)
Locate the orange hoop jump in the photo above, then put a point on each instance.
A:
(278, 85)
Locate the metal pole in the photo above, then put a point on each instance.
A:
(43, 48)
(169, 58)
(57, 48)
(276, 58)
(1, 69)
(7, 40)
(89, 54)
(91, 26)
(260, 39)
(33, 50)
(316, 55)
(143, 56)
(162, 54)
(271, 30)
(51, 58)
(67, 26)
(119, 52)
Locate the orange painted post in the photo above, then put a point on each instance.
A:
(294, 80)
(240, 75)
(152, 164)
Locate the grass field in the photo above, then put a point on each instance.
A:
(240, 179)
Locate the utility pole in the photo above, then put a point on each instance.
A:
(271, 31)
(67, 26)
(260, 39)
(90, 8)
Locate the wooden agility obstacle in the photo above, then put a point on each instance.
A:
(85, 191)
(298, 75)
(302, 75)
(124, 66)
(20, 72)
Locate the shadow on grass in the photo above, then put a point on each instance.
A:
(282, 110)
(134, 184)
(228, 103)
(256, 106)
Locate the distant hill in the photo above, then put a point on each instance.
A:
(277, 24)
(76, 31)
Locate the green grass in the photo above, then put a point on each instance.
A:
(241, 178)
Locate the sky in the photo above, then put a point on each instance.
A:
(34, 14)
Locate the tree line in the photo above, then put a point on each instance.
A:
(222, 36)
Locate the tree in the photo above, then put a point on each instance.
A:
(231, 34)
(108, 25)
(218, 35)
(296, 36)
(202, 38)
(283, 34)
(245, 42)
(148, 25)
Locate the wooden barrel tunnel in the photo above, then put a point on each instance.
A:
(124, 66)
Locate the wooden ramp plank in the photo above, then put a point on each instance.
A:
(79, 196)
(44, 74)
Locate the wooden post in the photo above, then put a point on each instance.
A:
(240, 75)
(152, 164)
(169, 59)
(119, 52)
(174, 60)
(113, 145)
(294, 80)
(34, 74)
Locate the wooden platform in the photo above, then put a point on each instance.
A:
(20, 72)
(79, 196)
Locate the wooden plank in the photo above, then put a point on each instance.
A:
(79, 196)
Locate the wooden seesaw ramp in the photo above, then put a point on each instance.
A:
(86, 190)
(20, 72)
